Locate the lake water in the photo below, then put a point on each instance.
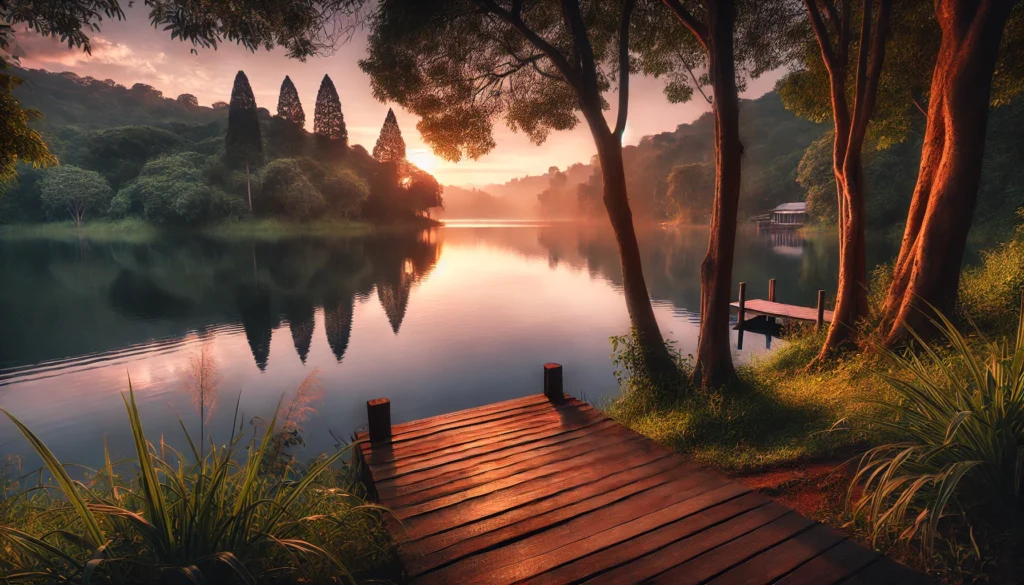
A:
(446, 319)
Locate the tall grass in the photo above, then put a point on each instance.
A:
(217, 517)
(950, 439)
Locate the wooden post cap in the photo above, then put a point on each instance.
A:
(553, 382)
(378, 418)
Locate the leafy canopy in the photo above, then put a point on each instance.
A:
(71, 190)
(488, 67)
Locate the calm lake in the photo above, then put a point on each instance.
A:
(437, 321)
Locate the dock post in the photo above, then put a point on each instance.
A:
(771, 290)
(378, 416)
(553, 383)
(821, 311)
(742, 306)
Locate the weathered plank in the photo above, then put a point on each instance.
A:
(552, 493)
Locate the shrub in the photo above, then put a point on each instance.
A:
(345, 192)
(171, 191)
(69, 190)
(188, 517)
(988, 292)
(289, 192)
(952, 439)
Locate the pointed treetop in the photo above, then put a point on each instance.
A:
(288, 105)
(243, 142)
(390, 145)
(328, 121)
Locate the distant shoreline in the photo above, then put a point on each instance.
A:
(244, 229)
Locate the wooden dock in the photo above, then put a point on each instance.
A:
(770, 308)
(548, 490)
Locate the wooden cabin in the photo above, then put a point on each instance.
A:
(789, 215)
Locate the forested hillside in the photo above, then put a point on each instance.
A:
(786, 158)
(133, 152)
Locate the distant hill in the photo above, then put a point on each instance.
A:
(670, 174)
(67, 99)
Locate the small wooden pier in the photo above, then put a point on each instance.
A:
(548, 490)
(771, 309)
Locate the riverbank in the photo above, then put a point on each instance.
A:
(268, 229)
(798, 434)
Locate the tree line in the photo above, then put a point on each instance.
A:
(187, 172)
(541, 65)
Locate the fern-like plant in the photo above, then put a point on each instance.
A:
(955, 431)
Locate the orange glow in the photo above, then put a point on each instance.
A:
(424, 159)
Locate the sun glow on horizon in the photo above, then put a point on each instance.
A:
(424, 159)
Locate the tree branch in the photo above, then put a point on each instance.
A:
(580, 39)
(620, 123)
(696, 27)
(557, 58)
(869, 73)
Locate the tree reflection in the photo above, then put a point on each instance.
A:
(300, 315)
(338, 314)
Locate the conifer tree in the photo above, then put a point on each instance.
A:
(243, 143)
(328, 121)
(390, 145)
(288, 105)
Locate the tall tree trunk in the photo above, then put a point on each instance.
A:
(927, 271)
(638, 302)
(248, 188)
(847, 165)
(714, 365)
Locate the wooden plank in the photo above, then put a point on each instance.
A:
(662, 559)
(534, 466)
(551, 511)
(391, 470)
(729, 555)
(493, 504)
(497, 458)
(470, 539)
(461, 439)
(779, 560)
(470, 413)
(654, 522)
(832, 566)
(498, 417)
(501, 564)
(538, 477)
(782, 310)
(654, 541)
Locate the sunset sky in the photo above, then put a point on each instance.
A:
(131, 51)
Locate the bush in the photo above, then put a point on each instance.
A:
(952, 436)
(345, 192)
(289, 192)
(989, 292)
(192, 517)
(69, 190)
(171, 191)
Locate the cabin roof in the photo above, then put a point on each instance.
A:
(797, 207)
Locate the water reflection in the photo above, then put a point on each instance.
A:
(437, 321)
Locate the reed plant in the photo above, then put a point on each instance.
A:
(194, 517)
(950, 440)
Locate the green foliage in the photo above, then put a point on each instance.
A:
(120, 153)
(243, 145)
(70, 190)
(289, 192)
(686, 197)
(483, 71)
(201, 517)
(188, 100)
(329, 123)
(988, 291)
(345, 192)
(172, 191)
(952, 437)
(18, 142)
